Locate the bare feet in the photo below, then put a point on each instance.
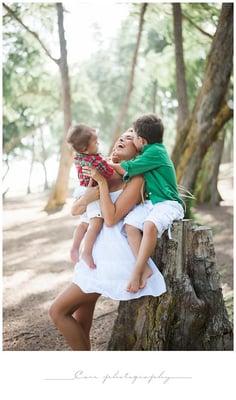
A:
(88, 259)
(74, 254)
(138, 281)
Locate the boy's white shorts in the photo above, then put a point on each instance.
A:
(161, 214)
(93, 209)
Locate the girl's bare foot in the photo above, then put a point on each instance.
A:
(88, 259)
(138, 280)
(74, 255)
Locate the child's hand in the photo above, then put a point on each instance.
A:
(93, 173)
(117, 168)
(115, 158)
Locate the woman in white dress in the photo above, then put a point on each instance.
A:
(72, 311)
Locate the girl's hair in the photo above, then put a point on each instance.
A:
(79, 136)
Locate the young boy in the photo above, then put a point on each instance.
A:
(163, 204)
(83, 140)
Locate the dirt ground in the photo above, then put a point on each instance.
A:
(37, 267)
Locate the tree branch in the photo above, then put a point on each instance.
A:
(197, 26)
(34, 34)
(223, 116)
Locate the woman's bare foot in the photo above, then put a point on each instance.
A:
(74, 254)
(88, 259)
(138, 280)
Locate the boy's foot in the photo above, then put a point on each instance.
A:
(88, 259)
(145, 275)
(74, 255)
(138, 281)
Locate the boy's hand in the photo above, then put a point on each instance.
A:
(117, 168)
(115, 158)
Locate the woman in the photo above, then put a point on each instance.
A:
(112, 255)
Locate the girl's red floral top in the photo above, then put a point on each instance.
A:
(95, 161)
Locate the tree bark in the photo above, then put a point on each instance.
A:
(191, 315)
(181, 86)
(125, 105)
(210, 112)
(59, 192)
(206, 186)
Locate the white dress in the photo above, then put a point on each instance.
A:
(114, 265)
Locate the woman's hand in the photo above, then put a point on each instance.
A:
(94, 174)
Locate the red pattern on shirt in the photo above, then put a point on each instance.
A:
(95, 161)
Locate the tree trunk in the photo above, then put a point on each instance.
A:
(4, 177)
(44, 158)
(59, 191)
(210, 112)
(191, 315)
(31, 165)
(228, 153)
(125, 105)
(181, 86)
(206, 186)
(7, 169)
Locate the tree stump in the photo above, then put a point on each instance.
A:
(191, 315)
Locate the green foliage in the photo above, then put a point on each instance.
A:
(98, 85)
(31, 97)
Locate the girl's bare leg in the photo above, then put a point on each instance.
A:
(95, 226)
(78, 235)
(61, 312)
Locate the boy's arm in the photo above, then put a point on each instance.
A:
(117, 167)
(141, 164)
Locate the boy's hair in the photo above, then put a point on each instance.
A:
(149, 127)
(79, 136)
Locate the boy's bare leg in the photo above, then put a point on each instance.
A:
(78, 235)
(135, 238)
(95, 225)
(146, 249)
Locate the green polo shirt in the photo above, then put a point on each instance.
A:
(154, 163)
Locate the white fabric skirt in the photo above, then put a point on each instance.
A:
(114, 265)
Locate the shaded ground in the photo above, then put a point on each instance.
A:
(37, 268)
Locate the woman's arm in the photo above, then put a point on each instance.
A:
(131, 195)
(79, 206)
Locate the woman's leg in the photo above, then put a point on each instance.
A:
(61, 312)
(84, 315)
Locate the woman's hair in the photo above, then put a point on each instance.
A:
(79, 136)
(149, 127)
